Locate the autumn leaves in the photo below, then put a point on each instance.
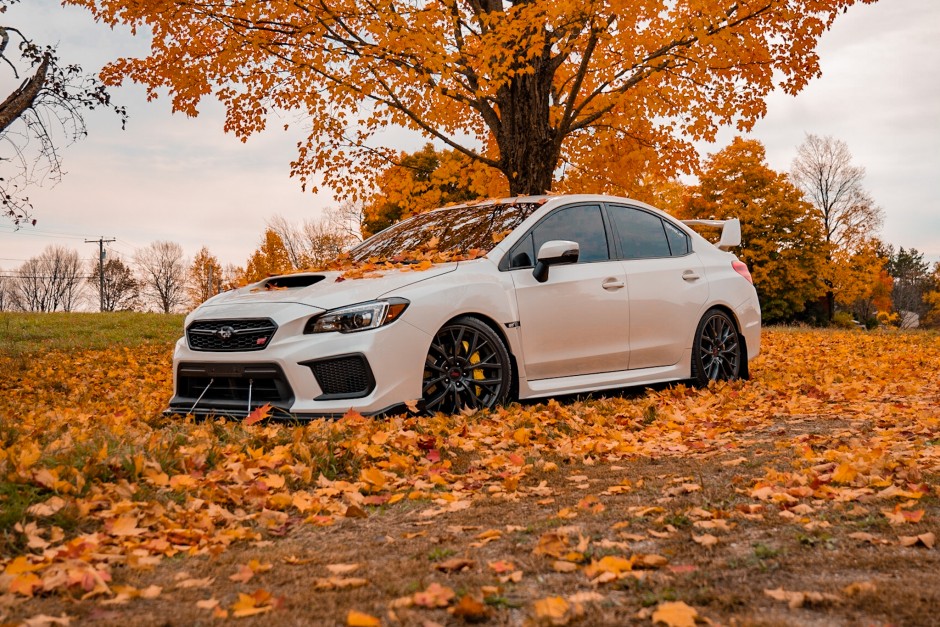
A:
(542, 512)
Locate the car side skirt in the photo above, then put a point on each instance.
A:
(607, 380)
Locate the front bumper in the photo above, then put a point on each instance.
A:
(304, 376)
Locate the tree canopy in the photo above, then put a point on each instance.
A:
(424, 180)
(519, 86)
(781, 237)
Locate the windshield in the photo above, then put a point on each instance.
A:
(458, 231)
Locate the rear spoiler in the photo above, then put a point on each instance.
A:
(730, 231)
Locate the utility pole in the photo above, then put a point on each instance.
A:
(101, 241)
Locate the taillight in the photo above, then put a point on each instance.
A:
(741, 268)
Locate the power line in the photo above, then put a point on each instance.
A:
(41, 234)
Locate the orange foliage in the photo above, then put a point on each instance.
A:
(148, 490)
(543, 82)
(270, 259)
(425, 180)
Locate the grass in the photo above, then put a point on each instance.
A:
(30, 333)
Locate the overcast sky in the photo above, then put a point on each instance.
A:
(169, 177)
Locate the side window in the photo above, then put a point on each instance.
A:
(582, 224)
(678, 241)
(522, 255)
(642, 235)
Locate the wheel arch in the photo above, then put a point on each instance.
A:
(500, 332)
(745, 368)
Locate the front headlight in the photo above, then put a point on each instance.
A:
(359, 317)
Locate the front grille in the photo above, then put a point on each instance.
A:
(230, 386)
(346, 376)
(230, 335)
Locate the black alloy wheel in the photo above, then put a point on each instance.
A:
(717, 353)
(467, 366)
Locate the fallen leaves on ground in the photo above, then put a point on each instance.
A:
(102, 480)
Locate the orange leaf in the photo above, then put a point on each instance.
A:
(25, 584)
(675, 614)
(359, 619)
(257, 415)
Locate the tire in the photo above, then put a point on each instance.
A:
(467, 365)
(718, 349)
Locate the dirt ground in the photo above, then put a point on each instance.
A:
(823, 575)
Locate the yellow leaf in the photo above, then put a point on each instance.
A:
(675, 614)
(844, 473)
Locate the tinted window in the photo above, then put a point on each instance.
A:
(641, 234)
(522, 255)
(457, 229)
(583, 224)
(678, 241)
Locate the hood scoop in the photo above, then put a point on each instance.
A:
(292, 281)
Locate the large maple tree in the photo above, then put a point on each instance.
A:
(520, 86)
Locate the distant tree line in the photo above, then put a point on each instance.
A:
(159, 277)
(810, 238)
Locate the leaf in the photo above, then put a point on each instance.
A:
(706, 540)
(258, 414)
(925, 539)
(360, 619)
(260, 602)
(25, 584)
(435, 595)
(553, 611)
(342, 569)
(675, 614)
(455, 564)
(470, 609)
(47, 508)
(126, 526)
(44, 620)
(561, 566)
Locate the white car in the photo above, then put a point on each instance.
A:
(566, 294)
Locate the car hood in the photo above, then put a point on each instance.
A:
(322, 290)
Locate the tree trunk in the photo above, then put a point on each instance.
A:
(23, 97)
(528, 145)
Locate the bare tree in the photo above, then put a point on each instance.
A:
(6, 294)
(51, 281)
(824, 172)
(348, 219)
(121, 290)
(293, 240)
(44, 111)
(162, 269)
(324, 242)
(314, 243)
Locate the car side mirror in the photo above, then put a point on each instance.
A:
(554, 253)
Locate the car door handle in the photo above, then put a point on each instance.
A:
(691, 275)
(612, 284)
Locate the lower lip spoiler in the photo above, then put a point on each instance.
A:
(277, 413)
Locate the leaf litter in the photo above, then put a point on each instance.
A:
(811, 488)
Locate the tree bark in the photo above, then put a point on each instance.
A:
(528, 144)
(23, 97)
